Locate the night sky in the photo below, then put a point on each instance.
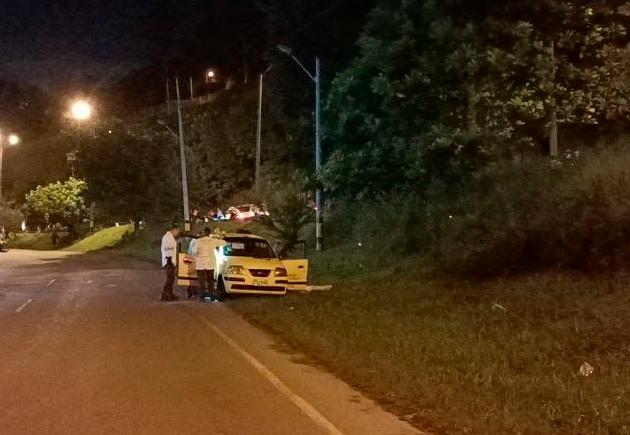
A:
(52, 43)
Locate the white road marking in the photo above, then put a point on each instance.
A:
(304, 406)
(51, 282)
(23, 305)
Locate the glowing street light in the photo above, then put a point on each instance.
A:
(12, 139)
(81, 110)
(211, 75)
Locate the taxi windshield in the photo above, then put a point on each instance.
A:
(247, 247)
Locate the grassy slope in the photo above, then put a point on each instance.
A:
(447, 354)
(105, 238)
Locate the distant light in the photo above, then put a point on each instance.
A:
(14, 139)
(23, 226)
(211, 74)
(81, 110)
(110, 132)
(117, 224)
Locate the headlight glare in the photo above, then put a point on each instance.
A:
(280, 272)
(236, 270)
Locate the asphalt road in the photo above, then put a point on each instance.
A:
(86, 348)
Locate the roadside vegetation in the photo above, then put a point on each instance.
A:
(499, 356)
(34, 241)
(102, 239)
(480, 313)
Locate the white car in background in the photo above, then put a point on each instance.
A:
(247, 212)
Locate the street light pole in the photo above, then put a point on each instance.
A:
(1, 156)
(10, 140)
(182, 154)
(259, 134)
(319, 236)
(318, 148)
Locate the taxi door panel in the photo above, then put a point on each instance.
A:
(298, 273)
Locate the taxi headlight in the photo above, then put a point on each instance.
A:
(236, 270)
(280, 272)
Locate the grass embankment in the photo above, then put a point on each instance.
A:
(496, 357)
(34, 241)
(102, 239)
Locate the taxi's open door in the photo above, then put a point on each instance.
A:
(298, 274)
(186, 272)
(297, 269)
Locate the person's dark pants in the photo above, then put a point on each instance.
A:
(206, 284)
(167, 292)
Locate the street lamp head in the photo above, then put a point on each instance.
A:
(212, 75)
(81, 110)
(284, 49)
(14, 139)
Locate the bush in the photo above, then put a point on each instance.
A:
(289, 212)
(10, 218)
(514, 217)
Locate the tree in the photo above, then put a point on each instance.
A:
(442, 89)
(288, 212)
(57, 203)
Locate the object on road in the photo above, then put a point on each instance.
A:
(586, 369)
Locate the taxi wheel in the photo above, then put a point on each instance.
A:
(221, 290)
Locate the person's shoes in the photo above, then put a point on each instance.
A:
(164, 298)
(174, 298)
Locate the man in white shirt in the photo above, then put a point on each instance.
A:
(169, 257)
(205, 260)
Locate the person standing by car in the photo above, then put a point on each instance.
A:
(204, 252)
(3, 239)
(169, 256)
(191, 290)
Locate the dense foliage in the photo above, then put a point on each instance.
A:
(441, 89)
(57, 203)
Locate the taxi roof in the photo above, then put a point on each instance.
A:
(242, 236)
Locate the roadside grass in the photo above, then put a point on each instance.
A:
(102, 239)
(466, 357)
(34, 241)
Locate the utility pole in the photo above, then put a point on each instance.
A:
(259, 130)
(259, 134)
(192, 89)
(553, 133)
(1, 156)
(182, 155)
(318, 160)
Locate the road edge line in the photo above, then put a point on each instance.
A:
(301, 403)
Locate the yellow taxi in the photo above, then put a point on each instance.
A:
(247, 264)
